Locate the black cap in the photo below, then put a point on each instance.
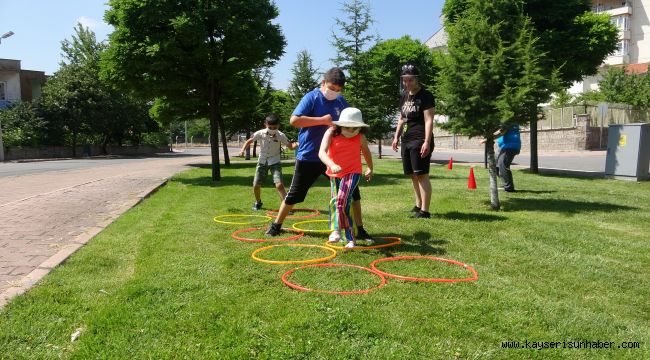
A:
(410, 69)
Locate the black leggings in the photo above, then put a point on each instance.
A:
(305, 175)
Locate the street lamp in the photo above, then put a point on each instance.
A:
(6, 35)
(2, 146)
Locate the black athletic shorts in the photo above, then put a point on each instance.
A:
(305, 175)
(411, 160)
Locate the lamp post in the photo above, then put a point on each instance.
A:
(2, 146)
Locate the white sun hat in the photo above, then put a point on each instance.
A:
(350, 117)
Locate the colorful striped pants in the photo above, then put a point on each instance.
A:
(341, 191)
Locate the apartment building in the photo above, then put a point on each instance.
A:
(17, 84)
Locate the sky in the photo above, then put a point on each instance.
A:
(41, 25)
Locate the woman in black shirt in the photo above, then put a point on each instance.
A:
(417, 107)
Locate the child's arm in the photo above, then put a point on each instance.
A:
(365, 150)
(285, 141)
(322, 153)
(246, 145)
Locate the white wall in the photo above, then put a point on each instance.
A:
(13, 84)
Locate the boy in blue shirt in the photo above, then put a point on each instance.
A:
(509, 143)
(317, 111)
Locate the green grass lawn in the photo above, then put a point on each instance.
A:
(565, 259)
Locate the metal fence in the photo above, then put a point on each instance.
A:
(562, 118)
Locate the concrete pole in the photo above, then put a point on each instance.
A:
(186, 134)
(2, 146)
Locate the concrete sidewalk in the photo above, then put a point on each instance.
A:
(46, 217)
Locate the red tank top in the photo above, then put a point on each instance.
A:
(346, 153)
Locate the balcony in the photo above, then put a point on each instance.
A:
(613, 9)
(617, 59)
(624, 35)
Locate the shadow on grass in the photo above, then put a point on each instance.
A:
(536, 191)
(561, 206)
(455, 215)
(421, 242)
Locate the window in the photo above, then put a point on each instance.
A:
(3, 91)
(621, 22)
(623, 48)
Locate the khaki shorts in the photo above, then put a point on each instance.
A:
(262, 170)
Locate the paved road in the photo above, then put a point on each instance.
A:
(50, 209)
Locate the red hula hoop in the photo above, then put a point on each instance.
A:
(474, 277)
(235, 235)
(353, 292)
(314, 213)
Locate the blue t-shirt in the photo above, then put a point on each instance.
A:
(314, 104)
(510, 140)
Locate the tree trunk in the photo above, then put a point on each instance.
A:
(214, 131)
(255, 148)
(74, 144)
(379, 148)
(492, 168)
(533, 147)
(248, 149)
(224, 140)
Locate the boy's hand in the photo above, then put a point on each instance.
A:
(327, 119)
(395, 144)
(241, 153)
(368, 174)
(335, 169)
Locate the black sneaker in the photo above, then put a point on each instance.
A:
(274, 230)
(415, 210)
(422, 215)
(363, 235)
(257, 205)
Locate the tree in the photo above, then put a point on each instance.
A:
(23, 125)
(305, 76)
(491, 75)
(190, 49)
(575, 42)
(618, 86)
(350, 45)
(385, 60)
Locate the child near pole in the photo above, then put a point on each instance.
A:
(341, 151)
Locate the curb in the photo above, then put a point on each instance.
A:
(62, 255)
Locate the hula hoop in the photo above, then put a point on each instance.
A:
(216, 219)
(352, 292)
(235, 235)
(329, 257)
(295, 226)
(395, 241)
(314, 213)
(474, 277)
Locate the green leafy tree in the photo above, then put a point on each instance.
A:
(305, 76)
(575, 42)
(23, 125)
(190, 49)
(385, 60)
(353, 41)
(618, 86)
(491, 75)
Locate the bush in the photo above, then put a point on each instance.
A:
(22, 125)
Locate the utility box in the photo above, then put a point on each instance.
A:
(628, 152)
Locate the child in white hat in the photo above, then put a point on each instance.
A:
(340, 151)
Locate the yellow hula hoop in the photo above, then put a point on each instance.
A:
(331, 256)
(295, 226)
(216, 219)
(395, 241)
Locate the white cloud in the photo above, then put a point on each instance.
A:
(91, 23)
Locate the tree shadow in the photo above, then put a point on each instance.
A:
(455, 215)
(561, 206)
(536, 191)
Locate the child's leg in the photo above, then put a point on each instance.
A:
(333, 213)
(276, 169)
(346, 186)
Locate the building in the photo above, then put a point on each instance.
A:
(17, 84)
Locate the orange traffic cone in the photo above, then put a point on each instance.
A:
(471, 181)
(451, 163)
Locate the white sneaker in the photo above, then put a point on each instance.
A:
(349, 245)
(334, 237)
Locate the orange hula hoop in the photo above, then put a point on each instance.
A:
(350, 292)
(474, 276)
